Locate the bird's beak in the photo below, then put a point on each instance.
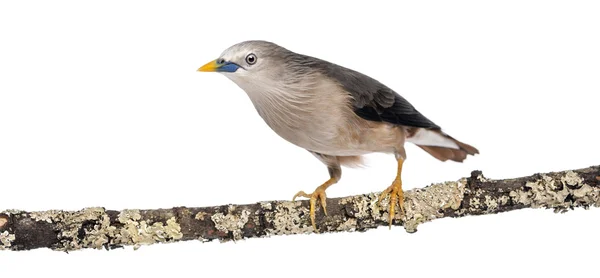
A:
(219, 66)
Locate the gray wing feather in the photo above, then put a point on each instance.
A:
(372, 100)
(376, 102)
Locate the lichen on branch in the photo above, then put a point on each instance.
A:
(99, 228)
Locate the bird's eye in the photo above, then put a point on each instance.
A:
(251, 59)
(220, 61)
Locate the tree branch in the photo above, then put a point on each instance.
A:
(99, 228)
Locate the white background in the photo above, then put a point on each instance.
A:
(101, 105)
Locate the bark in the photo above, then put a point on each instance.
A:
(476, 195)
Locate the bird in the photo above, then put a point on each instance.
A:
(337, 114)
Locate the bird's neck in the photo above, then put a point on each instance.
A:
(280, 104)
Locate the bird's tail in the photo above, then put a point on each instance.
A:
(441, 145)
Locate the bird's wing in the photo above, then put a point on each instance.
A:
(374, 101)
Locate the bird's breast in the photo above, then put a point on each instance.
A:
(302, 122)
(310, 117)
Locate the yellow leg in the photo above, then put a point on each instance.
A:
(396, 194)
(319, 193)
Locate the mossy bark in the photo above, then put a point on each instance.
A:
(476, 195)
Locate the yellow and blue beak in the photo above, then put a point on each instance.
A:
(219, 65)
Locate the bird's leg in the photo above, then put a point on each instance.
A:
(396, 193)
(319, 193)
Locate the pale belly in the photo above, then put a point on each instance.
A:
(338, 138)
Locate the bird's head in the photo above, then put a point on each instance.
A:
(249, 62)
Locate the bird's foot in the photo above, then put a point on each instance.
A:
(319, 193)
(396, 195)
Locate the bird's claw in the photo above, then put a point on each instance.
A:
(396, 195)
(319, 193)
